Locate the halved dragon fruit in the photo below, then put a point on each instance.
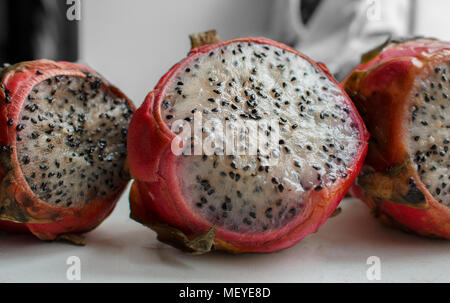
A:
(402, 91)
(63, 148)
(228, 198)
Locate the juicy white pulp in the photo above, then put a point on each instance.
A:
(71, 140)
(430, 133)
(242, 192)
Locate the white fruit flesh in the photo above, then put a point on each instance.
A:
(262, 83)
(430, 132)
(71, 140)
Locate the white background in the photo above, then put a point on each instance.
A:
(133, 43)
(121, 250)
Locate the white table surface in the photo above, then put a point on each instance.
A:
(121, 250)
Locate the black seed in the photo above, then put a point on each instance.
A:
(25, 159)
(226, 206)
(34, 135)
(233, 165)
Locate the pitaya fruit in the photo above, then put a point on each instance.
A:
(402, 92)
(63, 148)
(243, 202)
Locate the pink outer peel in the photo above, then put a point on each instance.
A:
(22, 211)
(383, 90)
(156, 196)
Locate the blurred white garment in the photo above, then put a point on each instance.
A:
(338, 31)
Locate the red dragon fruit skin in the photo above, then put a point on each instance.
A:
(202, 203)
(63, 157)
(401, 91)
